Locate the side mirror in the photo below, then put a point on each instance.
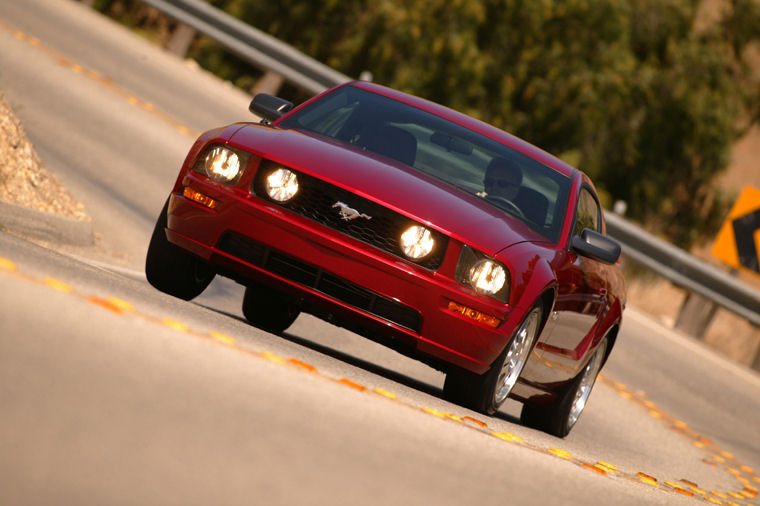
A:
(269, 107)
(596, 246)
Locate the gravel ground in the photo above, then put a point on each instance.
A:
(23, 179)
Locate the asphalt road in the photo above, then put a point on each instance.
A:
(113, 393)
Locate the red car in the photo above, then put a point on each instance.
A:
(433, 233)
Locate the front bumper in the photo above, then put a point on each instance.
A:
(247, 237)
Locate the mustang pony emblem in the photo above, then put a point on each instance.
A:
(348, 213)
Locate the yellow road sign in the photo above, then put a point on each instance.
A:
(738, 242)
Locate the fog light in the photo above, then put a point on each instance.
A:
(281, 185)
(417, 242)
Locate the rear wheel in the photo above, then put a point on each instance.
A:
(560, 417)
(486, 392)
(268, 309)
(171, 269)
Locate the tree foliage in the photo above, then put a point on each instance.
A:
(630, 92)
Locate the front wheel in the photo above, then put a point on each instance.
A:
(559, 417)
(486, 392)
(268, 309)
(171, 269)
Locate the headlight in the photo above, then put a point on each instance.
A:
(417, 242)
(220, 164)
(487, 276)
(281, 185)
(483, 274)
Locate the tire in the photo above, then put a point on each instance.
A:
(173, 270)
(268, 309)
(488, 391)
(560, 417)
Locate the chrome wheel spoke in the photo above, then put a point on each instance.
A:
(585, 384)
(517, 355)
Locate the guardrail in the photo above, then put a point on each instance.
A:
(270, 54)
(684, 270)
(252, 45)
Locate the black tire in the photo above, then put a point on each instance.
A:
(488, 391)
(559, 417)
(173, 270)
(268, 309)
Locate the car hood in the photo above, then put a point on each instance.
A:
(453, 211)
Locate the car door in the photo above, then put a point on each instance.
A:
(581, 299)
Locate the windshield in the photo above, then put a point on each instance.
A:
(494, 172)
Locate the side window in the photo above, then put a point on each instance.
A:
(587, 214)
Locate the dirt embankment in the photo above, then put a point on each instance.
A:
(23, 179)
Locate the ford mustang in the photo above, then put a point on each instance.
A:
(431, 232)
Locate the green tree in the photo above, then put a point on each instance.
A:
(630, 92)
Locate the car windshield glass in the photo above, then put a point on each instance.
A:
(504, 177)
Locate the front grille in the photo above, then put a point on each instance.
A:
(317, 200)
(320, 280)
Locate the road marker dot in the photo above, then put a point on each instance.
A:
(174, 324)
(222, 338)
(476, 422)
(385, 393)
(560, 453)
(597, 469)
(649, 480)
(121, 304)
(302, 364)
(105, 304)
(435, 412)
(273, 358)
(7, 265)
(59, 285)
(506, 436)
(351, 384)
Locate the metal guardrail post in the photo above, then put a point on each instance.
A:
(685, 270)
